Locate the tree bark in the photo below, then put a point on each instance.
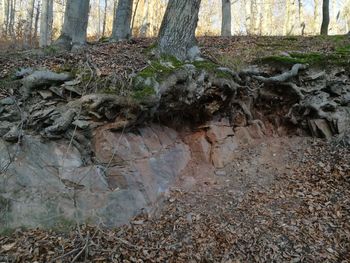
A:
(122, 21)
(134, 15)
(177, 32)
(12, 15)
(226, 18)
(316, 16)
(104, 19)
(2, 16)
(36, 22)
(46, 21)
(29, 24)
(325, 17)
(75, 24)
(6, 16)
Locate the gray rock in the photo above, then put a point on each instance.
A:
(45, 94)
(7, 101)
(12, 135)
(50, 185)
(5, 127)
(81, 124)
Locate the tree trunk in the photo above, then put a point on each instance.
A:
(2, 16)
(36, 23)
(29, 24)
(12, 15)
(177, 32)
(316, 16)
(134, 15)
(122, 20)
(6, 16)
(75, 24)
(104, 19)
(46, 21)
(253, 17)
(145, 20)
(291, 17)
(325, 17)
(226, 18)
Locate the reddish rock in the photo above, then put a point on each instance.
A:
(218, 131)
(255, 131)
(242, 135)
(200, 147)
(222, 154)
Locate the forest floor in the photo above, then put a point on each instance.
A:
(281, 200)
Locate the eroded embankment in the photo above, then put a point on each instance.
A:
(68, 156)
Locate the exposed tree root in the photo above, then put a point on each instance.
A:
(197, 94)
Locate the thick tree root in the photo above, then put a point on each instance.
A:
(43, 78)
(194, 94)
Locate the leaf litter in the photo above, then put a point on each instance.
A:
(302, 215)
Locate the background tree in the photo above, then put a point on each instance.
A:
(226, 18)
(75, 24)
(316, 19)
(104, 19)
(177, 32)
(36, 21)
(29, 23)
(46, 20)
(325, 17)
(122, 20)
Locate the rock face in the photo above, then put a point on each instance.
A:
(45, 183)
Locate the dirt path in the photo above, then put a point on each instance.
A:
(283, 200)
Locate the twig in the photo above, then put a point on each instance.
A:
(82, 250)
(65, 255)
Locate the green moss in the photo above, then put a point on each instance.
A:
(161, 67)
(103, 39)
(302, 58)
(68, 68)
(232, 62)
(149, 50)
(205, 64)
(143, 93)
(51, 50)
(340, 57)
(343, 50)
(222, 74)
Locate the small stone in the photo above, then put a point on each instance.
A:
(5, 126)
(12, 135)
(81, 124)
(7, 101)
(220, 173)
(45, 94)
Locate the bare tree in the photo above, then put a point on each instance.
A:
(226, 18)
(46, 20)
(104, 19)
(325, 17)
(122, 21)
(75, 23)
(316, 16)
(36, 22)
(12, 16)
(29, 23)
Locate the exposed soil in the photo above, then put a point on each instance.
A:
(281, 200)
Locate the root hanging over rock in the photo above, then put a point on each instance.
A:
(172, 91)
(43, 78)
